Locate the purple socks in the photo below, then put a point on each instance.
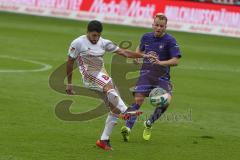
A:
(131, 121)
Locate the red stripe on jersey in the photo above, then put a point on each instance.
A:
(91, 77)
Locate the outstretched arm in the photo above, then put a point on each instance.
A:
(138, 60)
(131, 54)
(171, 62)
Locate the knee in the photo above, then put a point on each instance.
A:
(115, 110)
(139, 99)
(107, 87)
(169, 98)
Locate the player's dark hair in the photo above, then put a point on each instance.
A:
(95, 26)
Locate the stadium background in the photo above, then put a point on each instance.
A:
(202, 122)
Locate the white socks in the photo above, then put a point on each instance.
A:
(116, 100)
(110, 122)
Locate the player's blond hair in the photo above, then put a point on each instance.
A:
(160, 16)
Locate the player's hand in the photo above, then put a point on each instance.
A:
(156, 61)
(137, 61)
(69, 89)
(151, 56)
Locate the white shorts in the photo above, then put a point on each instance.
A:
(96, 80)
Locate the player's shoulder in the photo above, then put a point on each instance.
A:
(79, 39)
(104, 40)
(148, 35)
(79, 42)
(107, 45)
(169, 37)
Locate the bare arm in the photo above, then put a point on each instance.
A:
(171, 62)
(69, 70)
(138, 60)
(138, 50)
(70, 63)
(129, 54)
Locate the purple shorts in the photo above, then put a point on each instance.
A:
(146, 83)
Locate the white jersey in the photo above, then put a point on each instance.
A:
(90, 56)
(90, 60)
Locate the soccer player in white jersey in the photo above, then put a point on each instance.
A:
(88, 50)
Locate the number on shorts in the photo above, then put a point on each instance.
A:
(105, 77)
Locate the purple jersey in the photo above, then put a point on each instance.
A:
(165, 48)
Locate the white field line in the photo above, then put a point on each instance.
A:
(44, 67)
(185, 67)
(211, 68)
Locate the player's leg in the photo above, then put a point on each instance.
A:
(103, 83)
(117, 102)
(126, 130)
(158, 111)
(138, 101)
(110, 122)
(141, 90)
(143, 87)
(114, 98)
(117, 106)
(156, 115)
(100, 81)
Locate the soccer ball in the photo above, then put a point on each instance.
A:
(158, 97)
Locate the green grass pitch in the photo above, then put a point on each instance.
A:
(202, 122)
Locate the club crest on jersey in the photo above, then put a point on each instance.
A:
(73, 49)
(161, 46)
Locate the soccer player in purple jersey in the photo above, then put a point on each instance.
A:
(165, 47)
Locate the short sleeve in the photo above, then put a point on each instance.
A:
(174, 48)
(142, 44)
(109, 46)
(73, 50)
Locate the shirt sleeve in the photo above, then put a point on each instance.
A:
(174, 49)
(142, 44)
(109, 46)
(73, 50)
